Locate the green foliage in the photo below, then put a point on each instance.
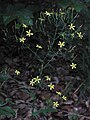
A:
(5, 110)
(56, 27)
(76, 4)
(43, 111)
(73, 116)
(3, 76)
(87, 1)
(49, 30)
(17, 12)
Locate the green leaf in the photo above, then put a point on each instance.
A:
(3, 76)
(44, 111)
(17, 26)
(6, 111)
(1, 103)
(78, 5)
(8, 19)
(64, 3)
(25, 16)
(87, 1)
(19, 12)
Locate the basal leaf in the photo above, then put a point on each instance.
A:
(3, 76)
(6, 111)
(44, 111)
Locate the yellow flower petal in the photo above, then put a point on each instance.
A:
(39, 46)
(80, 35)
(73, 65)
(71, 26)
(28, 33)
(64, 97)
(59, 93)
(22, 39)
(51, 86)
(17, 72)
(48, 78)
(61, 44)
(55, 104)
(47, 13)
(25, 26)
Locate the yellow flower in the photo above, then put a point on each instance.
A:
(64, 97)
(25, 26)
(61, 44)
(71, 27)
(37, 79)
(51, 86)
(73, 66)
(47, 13)
(80, 35)
(41, 19)
(59, 93)
(55, 104)
(62, 13)
(29, 33)
(72, 35)
(22, 39)
(48, 78)
(39, 46)
(17, 72)
(32, 82)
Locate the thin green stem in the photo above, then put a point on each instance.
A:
(34, 53)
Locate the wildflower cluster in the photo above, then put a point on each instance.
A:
(28, 33)
(52, 87)
(61, 39)
(78, 33)
(35, 80)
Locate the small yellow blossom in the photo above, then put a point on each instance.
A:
(80, 35)
(61, 12)
(55, 104)
(61, 44)
(59, 93)
(73, 66)
(72, 35)
(22, 39)
(64, 97)
(71, 26)
(29, 33)
(32, 82)
(37, 79)
(47, 13)
(25, 26)
(17, 72)
(41, 19)
(39, 46)
(48, 78)
(51, 86)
